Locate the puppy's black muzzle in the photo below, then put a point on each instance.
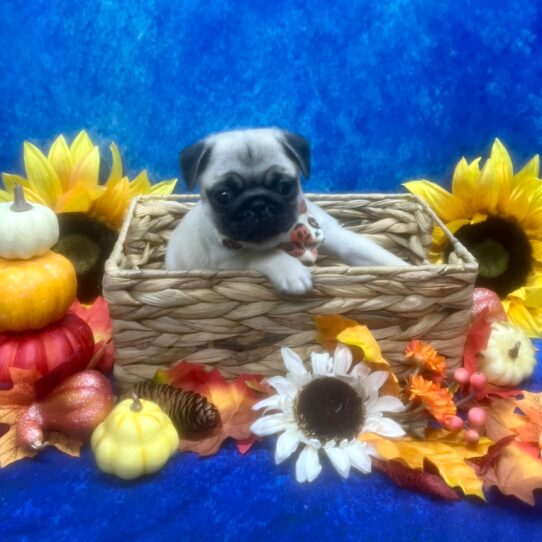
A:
(257, 215)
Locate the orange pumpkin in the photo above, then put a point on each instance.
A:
(35, 292)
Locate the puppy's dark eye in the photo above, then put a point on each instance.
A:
(285, 188)
(223, 197)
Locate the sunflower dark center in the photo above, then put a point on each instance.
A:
(87, 243)
(503, 253)
(329, 409)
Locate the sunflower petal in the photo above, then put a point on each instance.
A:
(342, 360)
(112, 205)
(320, 362)
(270, 424)
(5, 196)
(465, 180)
(81, 146)
(522, 317)
(287, 444)
(292, 361)
(529, 171)
(359, 456)
(375, 381)
(384, 427)
(116, 166)
(447, 206)
(388, 403)
(272, 402)
(489, 188)
(42, 178)
(140, 185)
(60, 158)
(76, 200)
(339, 459)
(307, 467)
(164, 188)
(283, 386)
(87, 170)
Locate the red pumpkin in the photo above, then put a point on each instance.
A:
(45, 349)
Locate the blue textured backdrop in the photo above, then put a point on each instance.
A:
(386, 90)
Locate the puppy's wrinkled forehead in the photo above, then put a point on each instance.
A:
(247, 153)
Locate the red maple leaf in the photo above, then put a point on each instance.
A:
(416, 480)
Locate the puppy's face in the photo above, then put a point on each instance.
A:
(249, 180)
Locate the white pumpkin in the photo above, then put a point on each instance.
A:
(509, 357)
(27, 230)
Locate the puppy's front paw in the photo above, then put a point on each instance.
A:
(295, 285)
(287, 274)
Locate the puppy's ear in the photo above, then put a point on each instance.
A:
(194, 160)
(299, 150)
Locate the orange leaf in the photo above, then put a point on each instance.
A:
(20, 396)
(531, 406)
(65, 444)
(328, 327)
(10, 451)
(96, 316)
(516, 473)
(518, 470)
(446, 451)
(234, 401)
(13, 402)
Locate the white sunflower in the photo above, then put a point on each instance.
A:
(327, 409)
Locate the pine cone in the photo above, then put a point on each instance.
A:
(190, 412)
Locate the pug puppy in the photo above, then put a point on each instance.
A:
(250, 211)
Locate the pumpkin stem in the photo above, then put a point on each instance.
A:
(514, 352)
(136, 406)
(19, 203)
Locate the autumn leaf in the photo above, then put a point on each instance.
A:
(328, 327)
(531, 406)
(333, 329)
(518, 469)
(10, 451)
(13, 403)
(20, 396)
(445, 451)
(416, 480)
(234, 401)
(65, 444)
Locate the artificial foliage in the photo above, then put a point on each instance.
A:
(497, 214)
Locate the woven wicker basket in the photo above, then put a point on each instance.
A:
(237, 322)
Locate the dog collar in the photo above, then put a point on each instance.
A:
(301, 241)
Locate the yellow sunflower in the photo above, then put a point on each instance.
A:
(67, 179)
(497, 215)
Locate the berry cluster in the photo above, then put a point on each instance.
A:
(476, 416)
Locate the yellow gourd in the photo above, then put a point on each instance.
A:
(35, 292)
(509, 357)
(136, 438)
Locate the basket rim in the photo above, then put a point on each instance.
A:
(113, 268)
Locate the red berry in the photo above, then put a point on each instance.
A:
(477, 416)
(453, 423)
(472, 436)
(462, 375)
(478, 381)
